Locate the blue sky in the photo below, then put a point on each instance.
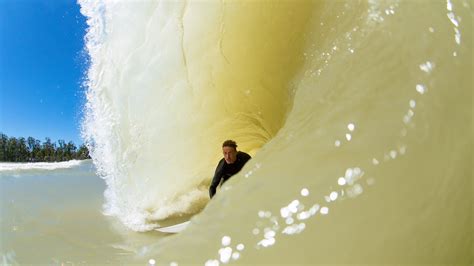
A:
(42, 66)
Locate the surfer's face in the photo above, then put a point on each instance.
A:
(230, 154)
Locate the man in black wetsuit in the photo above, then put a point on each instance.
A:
(230, 165)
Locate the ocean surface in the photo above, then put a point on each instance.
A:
(357, 113)
(51, 214)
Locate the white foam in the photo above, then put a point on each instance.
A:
(4, 167)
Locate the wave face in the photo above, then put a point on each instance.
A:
(358, 114)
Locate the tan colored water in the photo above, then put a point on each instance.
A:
(358, 114)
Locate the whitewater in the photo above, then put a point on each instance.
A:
(37, 166)
(357, 113)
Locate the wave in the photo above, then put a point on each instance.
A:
(358, 115)
(49, 166)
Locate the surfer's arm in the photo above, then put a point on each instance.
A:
(217, 179)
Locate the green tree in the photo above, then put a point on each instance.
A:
(31, 144)
(83, 153)
(3, 147)
(70, 151)
(60, 150)
(34, 148)
(12, 149)
(38, 153)
(23, 154)
(49, 150)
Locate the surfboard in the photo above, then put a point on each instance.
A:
(173, 229)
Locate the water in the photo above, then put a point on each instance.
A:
(358, 115)
(51, 213)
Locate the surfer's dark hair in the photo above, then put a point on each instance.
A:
(229, 143)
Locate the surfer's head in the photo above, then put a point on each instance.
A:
(229, 149)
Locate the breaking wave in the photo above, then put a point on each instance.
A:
(358, 115)
(17, 167)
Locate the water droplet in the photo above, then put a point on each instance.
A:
(225, 254)
(212, 263)
(293, 206)
(420, 88)
(304, 192)
(427, 67)
(351, 127)
(240, 247)
(449, 5)
(375, 161)
(303, 215)
(270, 234)
(235, 255)
(324, 210)
(393, 154)
(402, 150)
(453, 20)
(457, 36)
(226, 240)
(341, 181)
(284, 212)
(348, 174)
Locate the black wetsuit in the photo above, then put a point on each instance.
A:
(224, 170)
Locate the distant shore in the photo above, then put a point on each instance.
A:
(31, 150)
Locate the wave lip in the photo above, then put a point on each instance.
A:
(9, 167)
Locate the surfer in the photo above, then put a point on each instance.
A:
(228, 166)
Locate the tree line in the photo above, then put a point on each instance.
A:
(32, 150)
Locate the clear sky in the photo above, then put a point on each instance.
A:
(42, 66)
